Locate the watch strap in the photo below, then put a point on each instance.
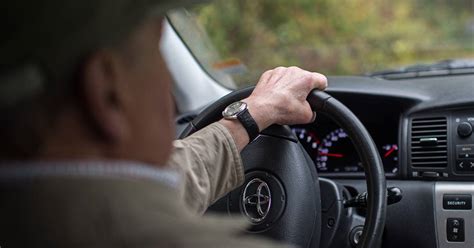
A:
(249, 124)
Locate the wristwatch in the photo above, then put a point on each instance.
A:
(239, 111)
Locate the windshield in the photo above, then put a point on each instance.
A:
(243, 38)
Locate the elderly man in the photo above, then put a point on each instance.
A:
(87, 129)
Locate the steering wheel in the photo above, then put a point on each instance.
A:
(281, 194)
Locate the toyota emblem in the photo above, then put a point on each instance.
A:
(256, 200)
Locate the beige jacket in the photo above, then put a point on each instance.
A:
(210, 165)
(123, 204)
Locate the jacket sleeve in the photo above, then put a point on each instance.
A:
(210, 165)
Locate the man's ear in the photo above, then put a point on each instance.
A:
(101, 77)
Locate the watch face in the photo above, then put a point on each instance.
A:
(234, 109)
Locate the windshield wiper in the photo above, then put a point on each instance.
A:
(442, 68)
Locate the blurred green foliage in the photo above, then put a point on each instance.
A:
(339, 36)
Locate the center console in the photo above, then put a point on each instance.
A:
(441, 149)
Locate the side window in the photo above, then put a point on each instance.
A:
(201, 46)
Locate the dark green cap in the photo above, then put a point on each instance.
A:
(45, 40)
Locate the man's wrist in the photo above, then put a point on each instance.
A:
(237, 131)
(259, 112)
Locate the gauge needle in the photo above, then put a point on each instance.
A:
(390, 151)
(336, 155)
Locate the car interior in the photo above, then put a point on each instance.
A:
(389, 160)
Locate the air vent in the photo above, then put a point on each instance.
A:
(429, 142)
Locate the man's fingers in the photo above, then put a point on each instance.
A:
(319, 81)
(306, 80)
(308, 115)
(265, 76)
(314, 117)
(286, 89)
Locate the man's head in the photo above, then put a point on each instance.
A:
(84, 79)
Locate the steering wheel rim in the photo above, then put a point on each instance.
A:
(365, 147)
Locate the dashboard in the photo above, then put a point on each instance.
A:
(422, 128)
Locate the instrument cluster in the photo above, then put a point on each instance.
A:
(333, 152)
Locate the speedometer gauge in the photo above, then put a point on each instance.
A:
(390, 157)
(337, 154)
(308, 139)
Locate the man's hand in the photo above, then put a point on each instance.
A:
(279, 98)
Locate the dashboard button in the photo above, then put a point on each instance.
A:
(455, 229)
(430, 174)
(465, 165)
(464, 129)
(461, 165)
(466, 155)
(462, 202)
(355, 235)
(463, 149)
